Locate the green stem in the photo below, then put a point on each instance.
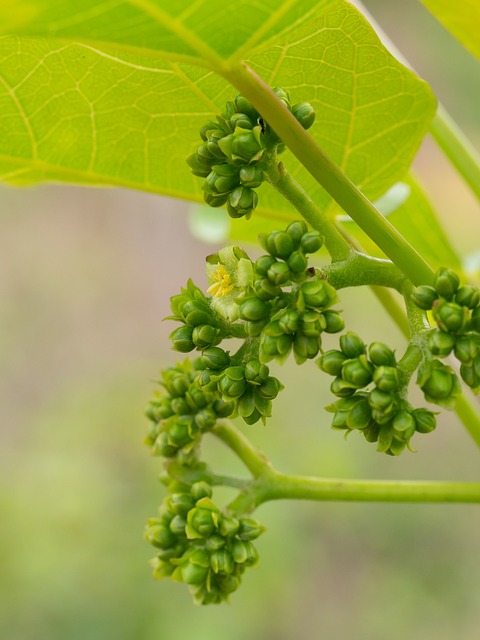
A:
(255, 461)
(328, 175)
(281, 486)
(458, 149)
(284, 183)
(360, 269)
(468, 416)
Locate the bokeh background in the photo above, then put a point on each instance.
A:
(85, 280)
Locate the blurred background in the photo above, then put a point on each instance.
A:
(85, 280)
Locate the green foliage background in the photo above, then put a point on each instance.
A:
(85, 279)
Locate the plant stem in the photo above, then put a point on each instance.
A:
(328, 175)
(468, 416)
(281, 486)
(360, 269)
(284, 183)
(455, 145)
(255, 461)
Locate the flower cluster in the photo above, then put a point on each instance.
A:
(201, 545)
(183, 411)
(233, 147)
(381, 413)
(456, 311)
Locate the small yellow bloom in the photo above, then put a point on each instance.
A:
(222, 285)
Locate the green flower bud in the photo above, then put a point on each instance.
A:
(424, 296)
(441, 343)
(215, 358)
(249, 529)
(274, 342)
(278, 243)
(228, 527)
(380, 354)
(158, 410)
(205, 336)
(182, 339)
(334, 321)
(360, 415)
(208, 129)
(158, 534)
(467, 296)
(466, 349)
(385, 378)
(446, 283)
(232, 384)
(266, 290)
(205, 419)
(200, 490)
(341, 388)
(358, 372)
(181, 503)
(242, 121)
(181, 431)
(196, 313)
(263, 264)
(289, 320)
(202, 521)
(297, 262)
(195, 571)
(175, 382)
(381, 401)
(244, 106)
(214, 200)
(283, 96)
(180, 407)
(396, 446)
(243, 146)
(223, 409)
(352, 345)
(312, 324)
(255, 371)
(474, 324)
(222, 179)
(438, 383)
(469, 375)
(279, 273)
(205, 155)
(162, 447)
(253, 309)
(296, 230)
(316, 294)
(251, 176)
(450, 317)
(221, 561)
(213, 147)
(269, 388)
(425, 420)
(304, 113)
(404, 424)
(177, 525)
(311, 242)
(241, 202)
(199, 166)
(305, 347)
(244, 552)
(331, 362)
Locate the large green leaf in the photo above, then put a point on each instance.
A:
(115, 92)
(462, 19)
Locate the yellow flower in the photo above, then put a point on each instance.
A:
(222, 282)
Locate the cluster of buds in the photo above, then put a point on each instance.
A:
(379, 412)
(288, 305)
(181, 412)
(200, 325)
(233, 147)
(200, 545)
(456, 311)
(248, 387)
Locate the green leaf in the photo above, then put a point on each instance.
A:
(114, 92)
(416, 220)
(462, 19)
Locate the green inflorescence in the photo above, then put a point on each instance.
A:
(275, 306)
